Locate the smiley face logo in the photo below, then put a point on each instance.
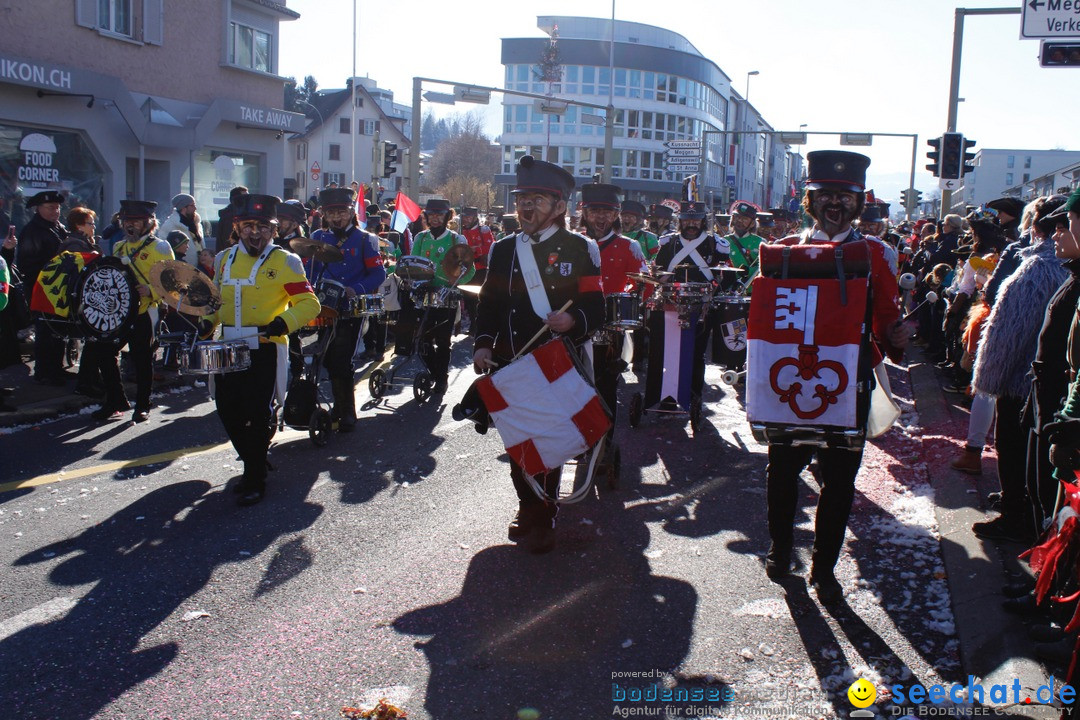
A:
(862, 693)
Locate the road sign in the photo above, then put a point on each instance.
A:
(438, 97)
(315, 170)
(680, 168)
(683, 144)
(948, 184)
(684, 152)
(1050, 19)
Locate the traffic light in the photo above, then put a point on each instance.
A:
(389, 158)
(1059, 54)
(952, 155)
(934, 155)
(969, 157)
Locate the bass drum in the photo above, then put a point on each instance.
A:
(108, 300)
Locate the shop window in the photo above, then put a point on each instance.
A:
(250, 48)
(335, 151)
(115, 16)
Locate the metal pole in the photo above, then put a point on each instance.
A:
(322, 147)
(352, 96)
(609, 120)
(412, 188)
(910, 207)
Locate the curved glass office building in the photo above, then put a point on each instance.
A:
(662, 89)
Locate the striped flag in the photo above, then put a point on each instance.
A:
(405, 212)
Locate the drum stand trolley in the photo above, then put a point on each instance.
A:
(306, 406)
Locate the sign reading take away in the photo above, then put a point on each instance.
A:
(1050, 19)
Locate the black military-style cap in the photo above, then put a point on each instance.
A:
(292, 210)
(690, 209)
(779, 213)
(136, 208)
(836, 167)
(470, 211)
(600, 195)
(659, 210)
(538, 176)
(43, 197)
(744, 208)
(259, 207)
(872, 213)
(337, 197)
(633, 207)
(765, 219)
(438, 205)
(723, 218)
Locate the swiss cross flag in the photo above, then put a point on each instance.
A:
(802, 355)
(544, 409)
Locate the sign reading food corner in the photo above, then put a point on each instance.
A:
(803, 351)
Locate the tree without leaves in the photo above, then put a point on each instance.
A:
(467, 152)
(468, 191)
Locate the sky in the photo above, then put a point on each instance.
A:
(836, 65)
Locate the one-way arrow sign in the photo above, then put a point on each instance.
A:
(438, 97)
(947, 184)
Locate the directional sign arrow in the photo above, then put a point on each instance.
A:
(946, 184)
(438, 97)
(683, 144)
(1035, 4)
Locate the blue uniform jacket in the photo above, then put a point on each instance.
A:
(362, 268)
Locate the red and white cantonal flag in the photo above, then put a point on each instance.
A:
(802, 351)
(544, 409)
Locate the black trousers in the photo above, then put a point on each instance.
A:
(141, 353)
(244, 406)
(339, 367)
(471, 299)
(436, 334)
(1011, 439)
(48, 352)
(837, 469)
(549, 481)
(608, 366)
(102, 358)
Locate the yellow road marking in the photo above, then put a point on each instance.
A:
(50, 478)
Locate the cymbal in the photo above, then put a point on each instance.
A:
(471, 289)
(184, 287)
(312, 248)
(457, 261)
(642, 277)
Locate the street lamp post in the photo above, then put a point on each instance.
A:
(749, 75)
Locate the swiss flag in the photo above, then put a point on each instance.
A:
(544, 409)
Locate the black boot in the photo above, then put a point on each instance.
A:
(778, 561)
(542, 533)
(521, 524)
(344, 403)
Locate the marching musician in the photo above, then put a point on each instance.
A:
(264, 296)
(743, 242)
(39, 242)
(834, 200)
(632, 217)
(433, 244)
(291, 216)
(690, 254)
(531, 276)
(723, 224)
(619, 255)
(659, 221)
(140, 249)
(361, 272)
(480, 239)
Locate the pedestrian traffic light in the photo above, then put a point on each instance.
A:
(389, 158)
(952, 156)
(969, 157)
(934, 155)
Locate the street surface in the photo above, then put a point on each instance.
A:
(378, 566)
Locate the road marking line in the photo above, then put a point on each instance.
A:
(50, 478)
(42, 613)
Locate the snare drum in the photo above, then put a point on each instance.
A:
(331, 296)
(215, 357)
(692, 293)
(369, 305)
(438, 298)
(623, 311)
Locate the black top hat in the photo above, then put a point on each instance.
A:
(872, 213)
(258, 207)
(538, 176)
(744, 208)
(137, 208)
(723, 218)
(292, 210)
(659, 210)
(337, 197)
(765, 219)
(45, 196)
(1010, 205)
(690, 209)
(437, 205)
(836, 167)
(633, 207)
(600, 195)
(779, 213)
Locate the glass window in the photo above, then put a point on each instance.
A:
(335, 151)
(1010, 162)
(588, 74)
(250, 48)
(1027, 162)
(343, 126)
(262, 51)
(1027, 177)
(620, 76)
(523, 73)
(509, 78)
(1008, 179)
(115, 16)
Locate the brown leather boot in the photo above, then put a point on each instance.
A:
(969, 461)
